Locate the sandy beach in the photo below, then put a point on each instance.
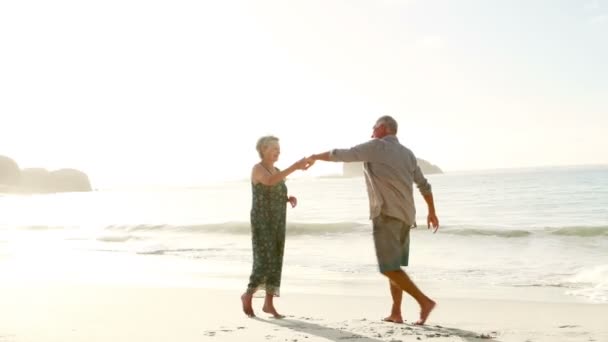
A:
(186, 314)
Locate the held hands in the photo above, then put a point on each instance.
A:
(304, 163)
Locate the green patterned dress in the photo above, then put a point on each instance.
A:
(268, 218)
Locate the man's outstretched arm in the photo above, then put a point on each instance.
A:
(361, 153)
(325, 156)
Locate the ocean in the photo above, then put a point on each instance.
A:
(529, 234)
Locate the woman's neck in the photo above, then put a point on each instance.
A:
(268, 164)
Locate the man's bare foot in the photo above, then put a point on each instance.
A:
(271, 310)
(247, 308)
(394, 318)
(425, 311)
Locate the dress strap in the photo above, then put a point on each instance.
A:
(266, 168)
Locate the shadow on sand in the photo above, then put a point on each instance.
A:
(397, 331)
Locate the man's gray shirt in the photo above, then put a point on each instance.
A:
(390, 171)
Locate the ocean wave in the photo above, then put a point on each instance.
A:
(163, 251)
(556, 285)
(293, 228)
(116, 238)
(581, 231)
(45, 227)
(488, 232)
(593, 283)
(123, 233)
(597, 274)
(573, 231)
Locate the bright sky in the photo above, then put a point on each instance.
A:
(177, 92)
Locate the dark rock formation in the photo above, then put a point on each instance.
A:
(38, 180)
(35, 180)
(69, 180)
(9, 173)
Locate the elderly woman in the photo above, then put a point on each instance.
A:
(268, 212)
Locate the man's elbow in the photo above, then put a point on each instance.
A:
(425, 189)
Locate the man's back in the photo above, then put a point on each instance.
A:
(391, 169)
(390, 177)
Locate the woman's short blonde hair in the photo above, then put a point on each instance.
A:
(264, 142)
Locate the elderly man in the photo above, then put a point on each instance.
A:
(391, 170)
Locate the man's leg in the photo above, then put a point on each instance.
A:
(403, 282)
(397, 295)
(391, 240)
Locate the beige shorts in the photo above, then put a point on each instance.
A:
(392, 242)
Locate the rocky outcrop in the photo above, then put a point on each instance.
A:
(69, 180)
(35, 180)
(39, 180)
(356, 169)
(428, 168)
(9, 173)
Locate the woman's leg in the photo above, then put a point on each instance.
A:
(257, 270)
(269, 306)
(273, 283)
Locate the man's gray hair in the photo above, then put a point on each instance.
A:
(389, 122)
(263, 143)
